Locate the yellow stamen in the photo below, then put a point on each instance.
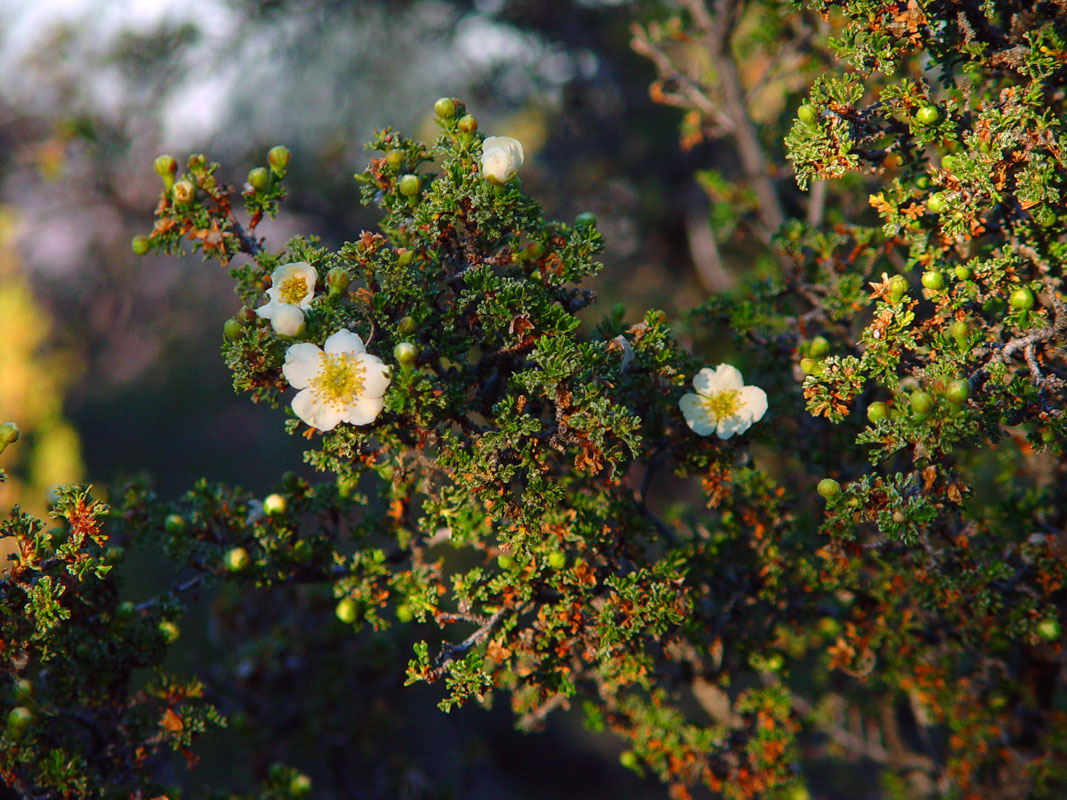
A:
(721, 404)
(339, 381)
(293, 290)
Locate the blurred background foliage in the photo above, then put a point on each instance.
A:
(113, 360)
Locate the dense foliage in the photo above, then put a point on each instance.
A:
(531, 517)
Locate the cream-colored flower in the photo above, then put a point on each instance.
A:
(501, 158)
(341, 382)
(287, 320)
(291, 285)
(722, 404)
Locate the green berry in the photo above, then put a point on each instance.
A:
(169, 631)
(140, 244)
(1021, 299)
(337, 280)
(404, 353)
(818, 347)
(933, 281)
(807, 114)
(828, 488)
(9, 434)
(445, 108)
(346, 610)
(259, 178)
(278, 158)
(936, 202)
(557, 560)
(232, 329)
(956, 391)
(1049, 629)
(174, 524)
(506, 562)
(406, 326)
(236, 559)
(409, 185)
(274, 504)
(467, 124)
(19, 720)
(877, 411)
(922, 402)
(927, 115)
(898, 285)
(165, 166)
(962, 273)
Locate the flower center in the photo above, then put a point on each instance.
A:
(293, 289)
(722, 404)
(339, 381)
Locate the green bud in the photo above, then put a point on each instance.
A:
(467, 124)
(1049, 629)
(933, 281)
(195, 162)
(557, 560)
(927, 115)
(506, 562)
(404, 353)
(809, 366)
(956, 391)
(169, 631)
(799, 793)
(337, 280)
(807, 114)
(828, 488)
(922, 182)
(948, 162)
(936, 202)
(174, 524)
(533, 250)
(274, 504)
(19, 720)
(259, 178)
(877, 411)
(300, 785)
(586, 219)
(183, 191)
(232, 329)
(404, 613)
(9, 434)
(628, 758)
(346, 610)
(1021, 299)
(445, 108)
(962, 273)
(165, 166)
(959, 331)
(278, 158)
(394, 158)
(236, 559)
(406, 326)
(818, 347)
(409, 185)
(140, 244)
(247, 315)
(23, 691)
(922, 403)
(404, 257)
(125, 610)
(898, 285)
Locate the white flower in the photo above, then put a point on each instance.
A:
(291, 285)
(722, 404)
(501, 158)
(341, 382)
(287, 320)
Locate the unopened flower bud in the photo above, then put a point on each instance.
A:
(236, 559)
(288, 320)
(346, 610)
(165, 166)
(259, 178)
(274, 504)
(140, 244)
(404, 353)
(246, 315)
(406, 326)
(467, 124)
(956, 391)
(232, 329)
(169, 631)
(898, 285)
(828, 488)
(19, 720)
(819, 347)
(922, 403)
(445, 108)
(394, 158)
(337, 280)
(9, 434)
(174, 524)
(409, 185)
(196, 161)
(183, 191)
(502, 157)
(403, 257)
(586, 219)
(278, 158)
(557, 560)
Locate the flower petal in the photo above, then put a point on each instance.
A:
(696, 414)
(377, 377)
(364, 411)
(728, 426)
(267, 310)
(314, 413)
(344, 342)
(722, 379)
(754, 402)
(302, 363)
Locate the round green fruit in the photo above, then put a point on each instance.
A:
(300, 785)
(409, 185)
(394, 158)
(346, 610)
(237, 559)
(828, 488)
(19, 720)
(23, 690)
(445, 108)
(877, 411)
(959, 331)
(140, 244)
(807, 114)
(922, 403)
(962, 273)
(948, 162)
(506, 562)
(628, 758)
(1021, 299)
(232, 329)
(337, 280)
(259, 178)
(956, 391)
(927, 115)
(274, 504)
(933, 281)
(174, 524)
(809, 366)
(937, 202)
